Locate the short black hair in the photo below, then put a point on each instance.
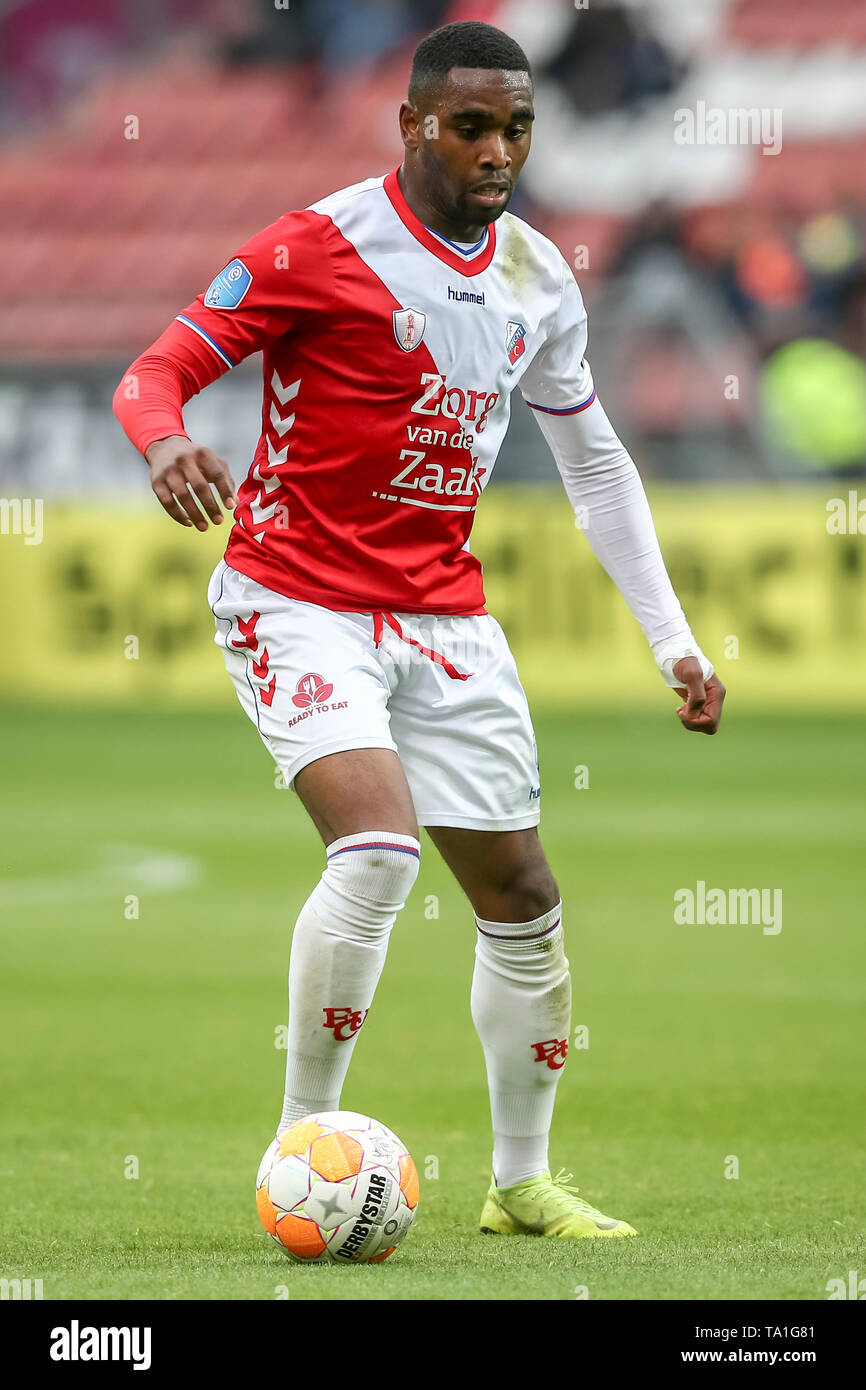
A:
(468, 44)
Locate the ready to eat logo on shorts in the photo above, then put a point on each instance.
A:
(311, 690)
(312, 694)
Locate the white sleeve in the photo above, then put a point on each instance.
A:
(558, 378)
(604, 486)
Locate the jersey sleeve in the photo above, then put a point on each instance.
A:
(277, 279)
(601, 480)
(558, 380)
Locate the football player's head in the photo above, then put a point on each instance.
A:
(467, 123)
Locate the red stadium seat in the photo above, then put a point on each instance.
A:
(782, 23)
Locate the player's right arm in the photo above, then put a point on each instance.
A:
(181, 472)
(276, 279)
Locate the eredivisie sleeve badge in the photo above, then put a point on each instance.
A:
(227, 289)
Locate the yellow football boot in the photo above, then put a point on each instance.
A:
(546, 1206)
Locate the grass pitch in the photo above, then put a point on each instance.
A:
(141, 1082)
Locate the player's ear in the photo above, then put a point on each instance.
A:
(410, 126)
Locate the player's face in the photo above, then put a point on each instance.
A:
(473, 143)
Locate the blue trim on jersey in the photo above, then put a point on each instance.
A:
(196, 328)
(461, 250)
(570, 410)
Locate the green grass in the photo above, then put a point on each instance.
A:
(155, 1037)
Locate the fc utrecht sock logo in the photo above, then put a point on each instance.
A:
(550, 1050)
(338, 1020)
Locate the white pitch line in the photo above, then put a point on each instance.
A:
(120, 870)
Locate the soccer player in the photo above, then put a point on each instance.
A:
(395, 318)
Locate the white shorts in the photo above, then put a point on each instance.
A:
(442, 692)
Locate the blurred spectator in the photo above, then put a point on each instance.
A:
(50, 54)
(611, 58)
(340, 34)
(657, 228)
(361, 31)
(813, 394)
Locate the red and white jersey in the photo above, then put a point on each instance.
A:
(390, 356)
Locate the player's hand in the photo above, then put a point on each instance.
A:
(703, 699)
(181, 476)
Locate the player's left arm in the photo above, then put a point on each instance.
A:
(609, 500)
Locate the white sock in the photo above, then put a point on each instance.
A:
(521, 1007)
(338, 952)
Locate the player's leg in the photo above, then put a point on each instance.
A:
(466, 742)
(360, 803)
(521, 1007)
(505, 874)
(311, 682)
(521, 987)
(345, 793)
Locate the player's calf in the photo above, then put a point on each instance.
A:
(338, 952)
(521, 1007)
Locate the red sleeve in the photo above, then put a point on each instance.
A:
(280, 277)
(149, 400)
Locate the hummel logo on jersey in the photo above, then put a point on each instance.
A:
(409, 325)
(465, 296)
(514, 341)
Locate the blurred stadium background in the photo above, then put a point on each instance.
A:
(149, 874)
(726, 288)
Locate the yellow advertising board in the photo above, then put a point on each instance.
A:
(110, 606)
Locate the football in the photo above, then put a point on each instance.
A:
(337, 1188)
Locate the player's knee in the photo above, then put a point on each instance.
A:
(529, 892)
(373, 871)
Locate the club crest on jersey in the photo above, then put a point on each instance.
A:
(514, 344)
(409, 325)
(227, 289)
